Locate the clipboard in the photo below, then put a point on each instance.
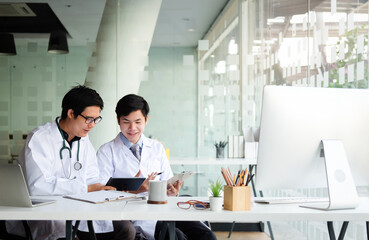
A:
(126, 184)
(180, 176)
(102, 196)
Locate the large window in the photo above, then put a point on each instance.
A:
(280, 42)
(305, 43)
(220, 84)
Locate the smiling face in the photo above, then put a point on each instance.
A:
(133, 125)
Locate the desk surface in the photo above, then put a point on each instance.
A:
(66, 209)
(259, 212)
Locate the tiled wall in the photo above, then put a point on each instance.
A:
(32, 85)
(171, 91)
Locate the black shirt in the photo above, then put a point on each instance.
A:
(65, 134)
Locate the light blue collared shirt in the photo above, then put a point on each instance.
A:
(128, 144)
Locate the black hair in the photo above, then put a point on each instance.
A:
(78, 98)
(131, 103)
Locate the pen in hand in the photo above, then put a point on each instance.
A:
(158, 174)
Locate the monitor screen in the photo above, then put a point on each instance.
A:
(294, 120)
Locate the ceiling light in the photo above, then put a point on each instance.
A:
(58, 43)
(190, 25)
(7, 45)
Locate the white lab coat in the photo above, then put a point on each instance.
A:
(116, 160)
(47, 174)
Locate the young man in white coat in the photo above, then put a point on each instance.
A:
(59, 159)
(131, 154)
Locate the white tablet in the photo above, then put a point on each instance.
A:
(181, 176)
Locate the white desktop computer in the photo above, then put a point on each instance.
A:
(313, 138)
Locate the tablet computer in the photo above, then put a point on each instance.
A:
(181, 176)
(126, 184)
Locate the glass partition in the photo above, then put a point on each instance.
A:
(303, 43)
(220, 85)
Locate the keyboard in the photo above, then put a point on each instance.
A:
(287, 200)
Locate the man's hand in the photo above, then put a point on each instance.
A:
(145, 185)
(98, 187)
(173, 189)
(138, 174)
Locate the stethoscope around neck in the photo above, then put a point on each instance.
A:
(77, 165)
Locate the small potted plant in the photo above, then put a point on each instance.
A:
(220, 148)
(216, 200)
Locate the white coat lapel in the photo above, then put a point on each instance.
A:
(126, 165)
(145, 150)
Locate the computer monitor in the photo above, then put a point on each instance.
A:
(294, 121)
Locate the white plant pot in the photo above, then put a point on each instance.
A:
(216, 203)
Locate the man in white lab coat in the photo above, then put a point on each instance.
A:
(132, 154)
(59, 159)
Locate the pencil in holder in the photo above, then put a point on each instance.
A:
(237, 198)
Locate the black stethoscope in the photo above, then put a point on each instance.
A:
(77, 165)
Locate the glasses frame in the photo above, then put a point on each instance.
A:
(193, 203)
(89, 120)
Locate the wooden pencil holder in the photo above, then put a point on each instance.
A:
(237, 198)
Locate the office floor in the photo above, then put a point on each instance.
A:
(281, 231)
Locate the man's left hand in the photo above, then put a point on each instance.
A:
(173, 189)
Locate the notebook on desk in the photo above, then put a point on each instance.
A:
(13, 188)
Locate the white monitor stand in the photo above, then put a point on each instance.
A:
(341, 187)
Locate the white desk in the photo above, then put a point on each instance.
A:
(66, 209)
(259, 212)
